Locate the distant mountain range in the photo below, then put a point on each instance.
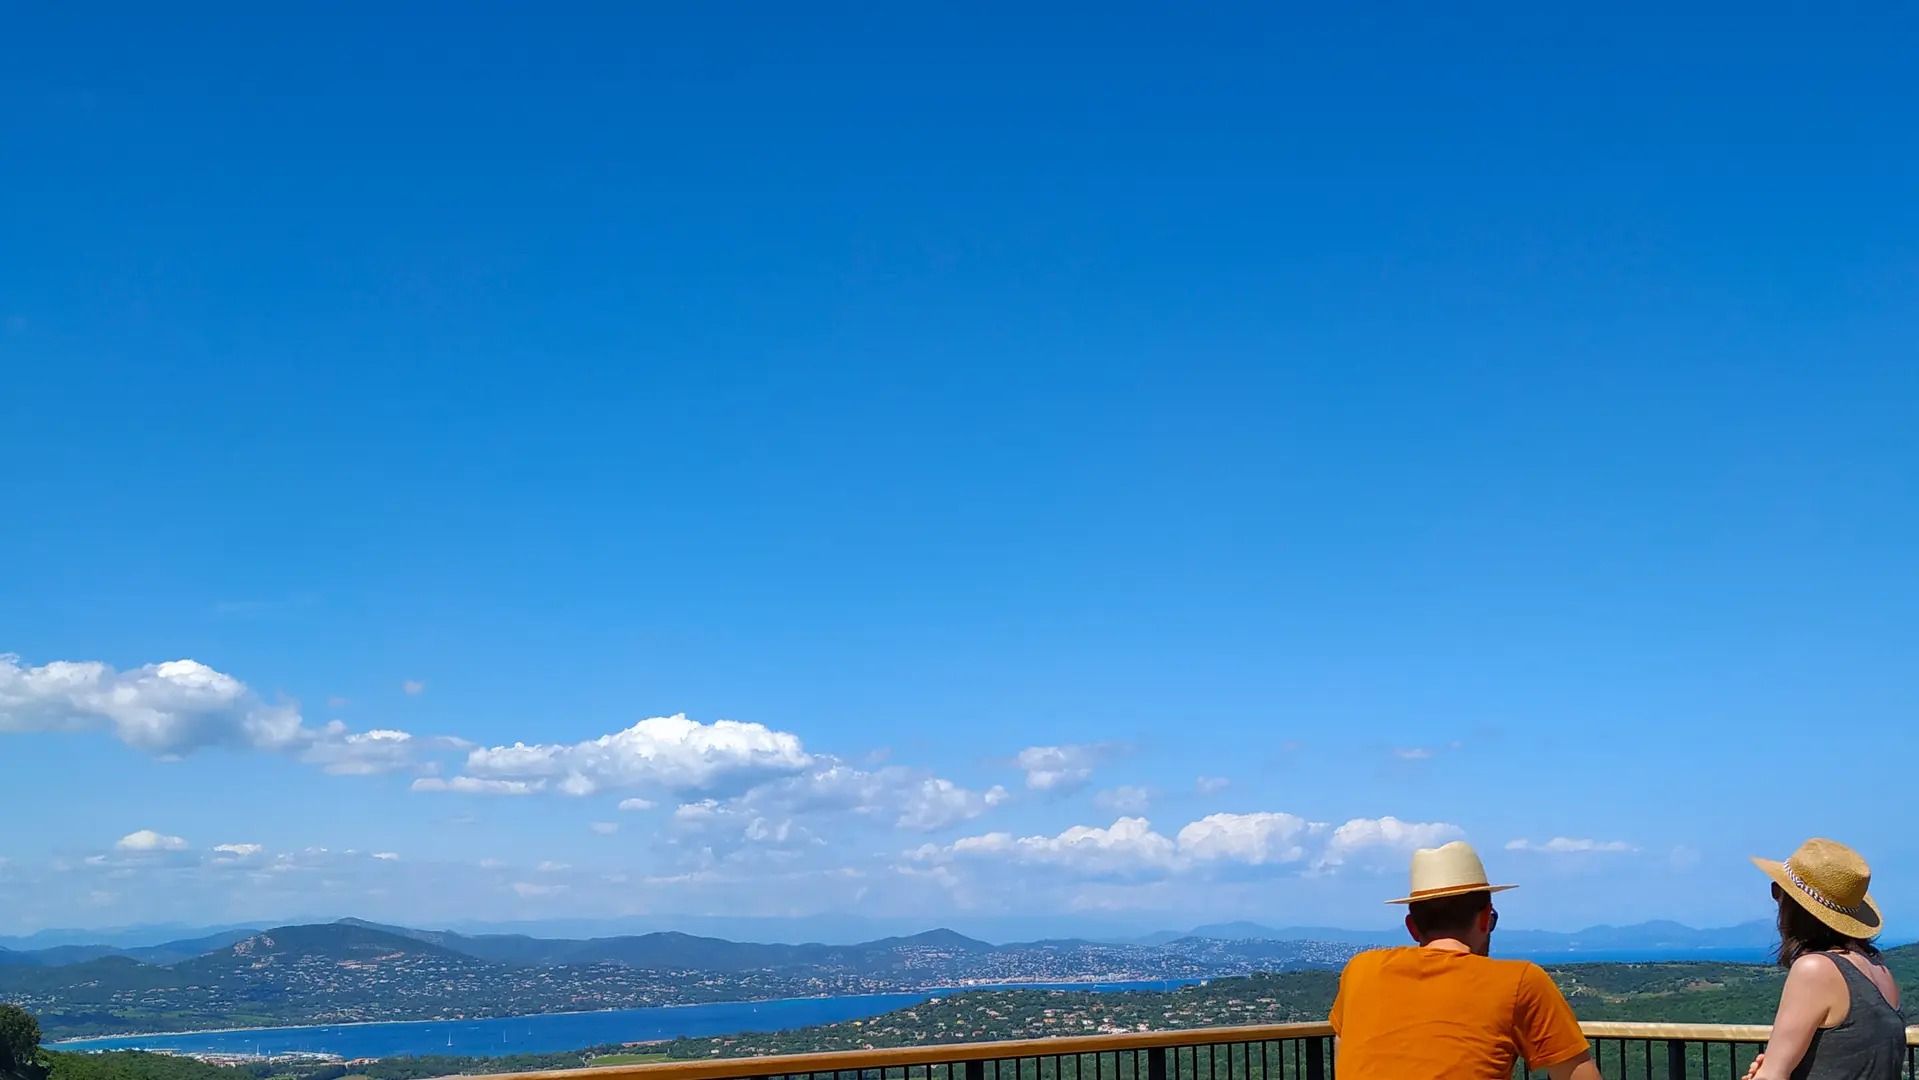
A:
(671, 950)
(354, 971)
(1648, 937)
(680, 951)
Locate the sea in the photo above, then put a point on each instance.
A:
(556, 1032)
(552, 1032)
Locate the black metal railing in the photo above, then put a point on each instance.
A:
(1688, 1051)
(1271, 1052)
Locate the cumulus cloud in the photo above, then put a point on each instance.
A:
(171, 708)
(238, 851)
(181, 706)
(901, 797)
(386, 856)
(149, 840)
(1124, 799)
(1129, 844)
(1566, 845)
(473, 785)
(346, 753)
(665, 752)
(1060, 768)
(1424, 753)
(637, 804)
(1253, 839)
(1214, 841)
(1389, 833)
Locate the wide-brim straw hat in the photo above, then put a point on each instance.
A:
(1829, 880)
(1448, 870)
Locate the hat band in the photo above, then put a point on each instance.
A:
(1856, 911)
(1469, 886)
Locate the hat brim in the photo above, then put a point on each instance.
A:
(1456, 890)
(1851, 926)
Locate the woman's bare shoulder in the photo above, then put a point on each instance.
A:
(1816, 968)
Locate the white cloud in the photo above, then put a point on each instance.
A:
(345, 753)
(901, 797)
(1059, 768)
(1425, 753)
(1389, 833)
(239, 851)
(603, 828)
(170, 708)
(758, 774)
(1211, 785)
(550, 866)
(529, 890)
(148, 840)
(472, 785)
(1212, 843)
(934, 803)
(667, 752)
(1129, 844)
(387, 856)
(180, 706)
(1253, 839)
(413, 687)
(1566, 845)
(1124, 800)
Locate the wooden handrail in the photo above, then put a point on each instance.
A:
(938, 1053)
(1068, 1045)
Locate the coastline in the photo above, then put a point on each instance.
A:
(1049, 984)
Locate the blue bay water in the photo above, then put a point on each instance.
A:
(555, 1032)
(549, 1033)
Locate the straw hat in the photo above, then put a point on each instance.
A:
(1829, 880)
(1449, 870)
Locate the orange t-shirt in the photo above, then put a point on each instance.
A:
(1414, 1014)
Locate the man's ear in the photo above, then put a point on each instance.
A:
(1410, 928)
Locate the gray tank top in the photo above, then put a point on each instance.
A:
(1869, 1045)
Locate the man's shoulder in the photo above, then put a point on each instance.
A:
(1372, 958)
(1530, 978)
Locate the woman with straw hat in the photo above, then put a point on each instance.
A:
(1839, 1015)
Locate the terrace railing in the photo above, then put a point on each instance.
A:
(1268, 1052)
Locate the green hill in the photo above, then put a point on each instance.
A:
(134, 1065)
(1703, 993)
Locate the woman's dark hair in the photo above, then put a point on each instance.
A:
(1801, 933)
(1448, 914)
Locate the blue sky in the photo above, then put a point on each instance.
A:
(1128, 464)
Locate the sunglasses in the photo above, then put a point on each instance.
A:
(1492, 923)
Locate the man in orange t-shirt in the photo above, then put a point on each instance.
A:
(1444, 1008)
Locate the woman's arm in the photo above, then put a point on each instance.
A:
(1813, 989)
